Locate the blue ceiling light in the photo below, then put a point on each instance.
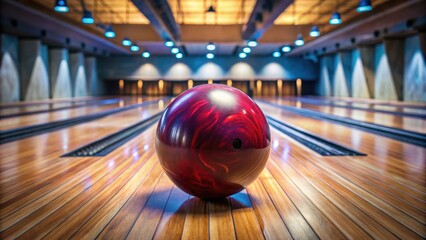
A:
(87, 17)
(174, 50)
(276, 54)
(179, 55)
(134, 48)
(247, 50)
(126, 42)
(252, 43)
(61, 6)
(286, 49)
(210, 55)
(169, 43)
(299, 41)
(211, 47)
(109, 32)
(146, 54)
(242, 55)
(335, 18)
(364, 6)
(314, 31)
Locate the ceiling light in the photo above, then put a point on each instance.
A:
(242, 55)
(286, 49)
(134, 48)
(247, 50)
(335, 18)
(211, 9)
(252, 43)
(174, 50)
(211, 47)
(364, 6)
(126, 42)
(314, 31)
(210, 55)
(109, 32)
(87, 17)
(179, 55)
(169, 43)
(61, 6)
(146, 54)
(299, 41)
(276, 54)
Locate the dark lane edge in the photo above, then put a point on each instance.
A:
(94, 103)
(25, 132)
(360, 101)
(320, 145)
(323, 103)
(104, 146)
(389, 132)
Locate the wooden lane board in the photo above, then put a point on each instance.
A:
(405, 157)
(24, 121)
(395, 121)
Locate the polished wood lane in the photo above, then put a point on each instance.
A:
(396, 121)
(126, 195)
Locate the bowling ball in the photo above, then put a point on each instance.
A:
(212, 141)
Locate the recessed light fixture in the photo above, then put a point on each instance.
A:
(252, 43)
(210, 55)
(61, 6)
(146, 54)
(242, 55)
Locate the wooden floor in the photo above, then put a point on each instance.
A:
(126, 195)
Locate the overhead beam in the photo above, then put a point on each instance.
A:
(389, 19)
(160, 16)
(262, 17)
(29, 21)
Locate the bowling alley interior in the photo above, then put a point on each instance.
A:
(213, 119)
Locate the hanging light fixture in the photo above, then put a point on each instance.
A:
(211, 9)
(364, 6)
(252, 43)
(335, 17)
(276, 54)
(134, 48)
(179, 55)
(299, 41)
(109, 32)
(87, 17)
(247, 50)
(174, 50)
(211, 47)
(169, 43)
(126, 42)
(242, 55)
(314, 31)
(61, 6)
(210, 55)
(286, 49)
(146, 54)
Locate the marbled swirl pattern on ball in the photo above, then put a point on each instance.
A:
(212, 141)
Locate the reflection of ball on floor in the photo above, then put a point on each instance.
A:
(212, 141)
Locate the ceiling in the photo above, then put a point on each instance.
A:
(227, 11)
(300, 15)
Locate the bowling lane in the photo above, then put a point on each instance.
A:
(390, 120)
(48, 101)
(349, 191)
(390, 156)
(397, 108)
(23, 121)
(374, 102)
(55, 106)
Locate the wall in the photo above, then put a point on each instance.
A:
(170, 68)
(394, 69)
(414, 71)
(33, 70)
(9, 73)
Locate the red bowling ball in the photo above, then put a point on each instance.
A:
(212, 141)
